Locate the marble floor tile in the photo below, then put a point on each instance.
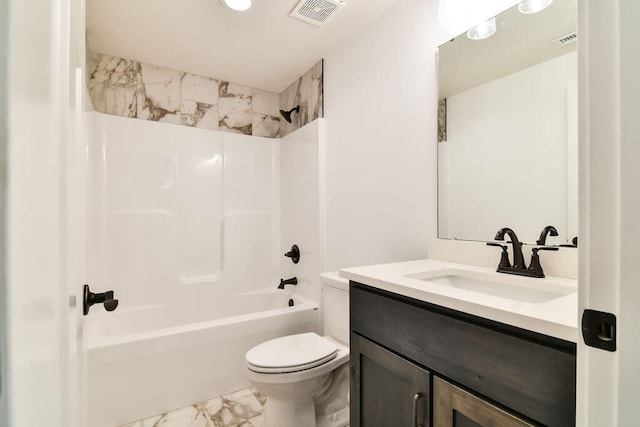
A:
(243, 408)
(147, 422)
(254, 422)
(192, 416)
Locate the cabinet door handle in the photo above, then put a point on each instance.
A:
(416, 398)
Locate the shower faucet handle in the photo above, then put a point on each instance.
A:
(294, 254)
(104, 298)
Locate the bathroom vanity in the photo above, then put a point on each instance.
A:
(433, 353)
(441, 343)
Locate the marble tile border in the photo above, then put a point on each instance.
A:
(244, 408)
(128, 88)
(308, 93)
(442, 120)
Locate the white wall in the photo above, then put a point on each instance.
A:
(380, 110)
(506, 160)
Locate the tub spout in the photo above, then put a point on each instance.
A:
(292, 281)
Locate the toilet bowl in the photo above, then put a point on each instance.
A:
(305, 376)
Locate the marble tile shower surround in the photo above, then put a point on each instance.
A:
(243, 408)
(308, 93)
(129, 88)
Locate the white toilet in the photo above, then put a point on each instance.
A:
(305, 377)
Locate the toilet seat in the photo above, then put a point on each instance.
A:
(291, 353)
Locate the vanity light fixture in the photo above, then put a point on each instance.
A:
(483, 30)
(239, 5)
(533, 6)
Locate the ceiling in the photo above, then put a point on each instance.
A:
(262, 48)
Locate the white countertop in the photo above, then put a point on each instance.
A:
(557, 317)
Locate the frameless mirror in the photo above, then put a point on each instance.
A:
(507, 128)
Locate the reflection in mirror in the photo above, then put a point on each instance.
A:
(507, 151)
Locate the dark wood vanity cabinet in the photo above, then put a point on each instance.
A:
(394, 391)
(456, 407)
(418, 364)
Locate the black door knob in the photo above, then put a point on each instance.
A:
(111, 304)
(105, 298)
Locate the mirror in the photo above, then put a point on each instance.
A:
(507, 128)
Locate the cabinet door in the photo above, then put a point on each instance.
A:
(453, 406)
(386, 390)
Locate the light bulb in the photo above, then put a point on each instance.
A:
(239, 5)
(533, 6)
(483, 30)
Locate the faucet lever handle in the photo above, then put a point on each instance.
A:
(535, 266)
(504, 247)
(544, 248)
(504, 257)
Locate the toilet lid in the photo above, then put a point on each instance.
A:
(291, 353)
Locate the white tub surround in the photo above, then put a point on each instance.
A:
(556, 317)
(301, 198)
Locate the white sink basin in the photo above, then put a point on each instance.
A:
(517, 288)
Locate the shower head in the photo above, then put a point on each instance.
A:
(287, 114)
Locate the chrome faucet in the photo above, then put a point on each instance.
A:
(292, 281)
(518, 258)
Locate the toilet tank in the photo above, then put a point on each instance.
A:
(335, 306)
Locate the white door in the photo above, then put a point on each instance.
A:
(609, 70)
(44, 199)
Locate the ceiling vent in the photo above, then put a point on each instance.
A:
(572, 37)
(317, 12)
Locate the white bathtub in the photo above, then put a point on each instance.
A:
(142, 361)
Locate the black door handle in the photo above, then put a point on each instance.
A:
(105, 298)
